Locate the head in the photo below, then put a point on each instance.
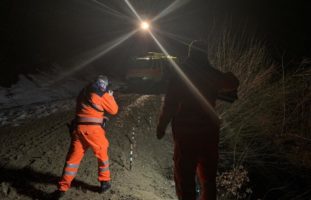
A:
(198, 51)
(101, 83)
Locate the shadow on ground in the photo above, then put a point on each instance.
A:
(23, 180)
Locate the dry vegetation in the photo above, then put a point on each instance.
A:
(268, 129)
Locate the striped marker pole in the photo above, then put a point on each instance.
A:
(132, 147)
(133, 144)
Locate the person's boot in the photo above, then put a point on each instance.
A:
(57, 194)
(104, 186)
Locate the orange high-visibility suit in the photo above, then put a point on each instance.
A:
(90, 109)
(196, 135)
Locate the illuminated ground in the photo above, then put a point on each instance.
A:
(33, 154)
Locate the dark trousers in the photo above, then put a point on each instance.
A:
(195, 155)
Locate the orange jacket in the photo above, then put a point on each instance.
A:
(92, 104)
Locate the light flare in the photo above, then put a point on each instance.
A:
(180, 39)
(102, 50)
(109, 10)
(93, 55)
(133, 10)
(172, 7)
(207, 106)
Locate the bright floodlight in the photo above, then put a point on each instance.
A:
(145, 25)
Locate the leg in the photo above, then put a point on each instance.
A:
(74, 157)
(207, 170)
(184, 174)
(103, 164)
(103, 169)
(99, 144)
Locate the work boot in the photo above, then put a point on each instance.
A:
(104, 186)
(57, 194)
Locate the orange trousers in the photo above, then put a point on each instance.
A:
(83, 137)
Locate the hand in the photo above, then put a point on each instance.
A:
(110, 92)
(160, 133)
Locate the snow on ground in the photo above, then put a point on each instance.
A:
(26, 92)
(29, 100)
(18, 115)
(39, 97)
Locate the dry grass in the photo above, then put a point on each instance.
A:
(273, 105)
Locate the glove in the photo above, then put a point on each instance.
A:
(110, 92)
(160, 133)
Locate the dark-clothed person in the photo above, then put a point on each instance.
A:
(195, 132)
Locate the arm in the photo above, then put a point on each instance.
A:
(169, 109)
(223, 81)
(229, 82)
(109, 104)
(229, 90)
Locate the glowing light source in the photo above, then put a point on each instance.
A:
(144, 25)
(207, 106)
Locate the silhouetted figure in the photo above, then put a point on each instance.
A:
(195, 130)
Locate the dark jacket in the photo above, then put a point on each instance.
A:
(184, 107)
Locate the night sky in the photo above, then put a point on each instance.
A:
(36, 34)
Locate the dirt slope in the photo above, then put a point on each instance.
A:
(33, 154)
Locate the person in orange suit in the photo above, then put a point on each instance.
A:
(195, 130)
(92, 103)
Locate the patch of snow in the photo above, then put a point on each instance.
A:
(17, 115)
(41, 96)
